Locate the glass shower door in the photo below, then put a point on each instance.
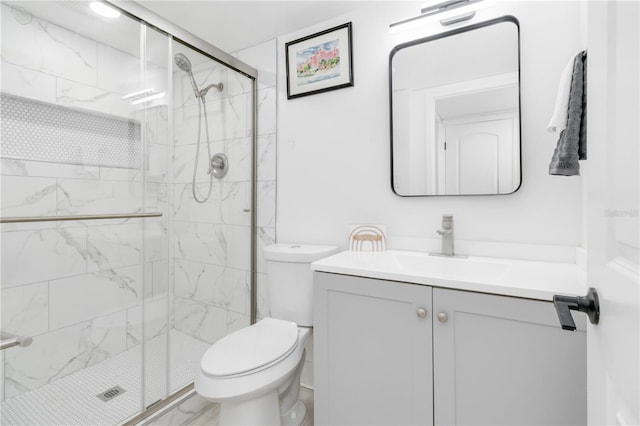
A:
(211, 233)
(84, 125)
(102, 116)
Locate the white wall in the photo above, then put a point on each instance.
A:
(333, 150)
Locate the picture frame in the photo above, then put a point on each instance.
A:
(320, 62)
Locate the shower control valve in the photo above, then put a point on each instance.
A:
(219, 165)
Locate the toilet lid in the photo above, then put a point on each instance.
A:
(250, 348)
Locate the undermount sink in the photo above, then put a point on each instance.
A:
(454, 268)
(418, 264)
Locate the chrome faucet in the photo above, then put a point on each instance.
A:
(447, 235)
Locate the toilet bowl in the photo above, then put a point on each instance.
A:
(251, 370)
(254, 373)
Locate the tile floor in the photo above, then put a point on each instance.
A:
(209, 416)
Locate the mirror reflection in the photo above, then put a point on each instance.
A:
(455, 112)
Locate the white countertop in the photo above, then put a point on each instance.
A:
(519, 278)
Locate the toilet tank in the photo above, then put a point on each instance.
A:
(290, 280)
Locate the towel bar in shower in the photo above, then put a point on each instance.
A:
(9, 340)
(77, 217)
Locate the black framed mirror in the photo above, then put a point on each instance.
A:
(455, 112)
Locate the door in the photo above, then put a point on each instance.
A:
(505, 361)
(372, 341)
(612, 210)
(478, 157)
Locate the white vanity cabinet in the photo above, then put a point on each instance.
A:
(372, 352)
(472, 358)
(501, 360)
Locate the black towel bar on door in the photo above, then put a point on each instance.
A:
(588, 304)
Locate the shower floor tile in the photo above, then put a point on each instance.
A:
(72, 400)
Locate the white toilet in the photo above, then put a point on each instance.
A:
(254, 373)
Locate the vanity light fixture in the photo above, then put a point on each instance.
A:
(448, 12)
(104, 10)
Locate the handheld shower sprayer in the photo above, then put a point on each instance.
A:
(217, 163)
(185, 65)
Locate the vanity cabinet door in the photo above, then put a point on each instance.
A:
(372, 352)
(505, 361)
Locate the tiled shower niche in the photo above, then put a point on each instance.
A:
(39, 131)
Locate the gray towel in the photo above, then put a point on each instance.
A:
(572, 144)
(582, 146)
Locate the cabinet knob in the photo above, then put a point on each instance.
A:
(442, 317)
(421, 312)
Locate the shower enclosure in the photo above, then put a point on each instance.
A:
(125, 250)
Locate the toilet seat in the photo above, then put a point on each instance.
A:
(251, 349)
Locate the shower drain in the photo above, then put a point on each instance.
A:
(111, 393)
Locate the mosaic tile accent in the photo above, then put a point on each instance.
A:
(40, 131)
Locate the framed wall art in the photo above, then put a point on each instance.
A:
(320, 62)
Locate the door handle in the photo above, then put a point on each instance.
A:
(588, 304)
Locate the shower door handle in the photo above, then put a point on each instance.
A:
(9, 340)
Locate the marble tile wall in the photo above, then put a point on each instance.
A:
(56, 276)
(77, 287)
(264, 58)
(212, 240)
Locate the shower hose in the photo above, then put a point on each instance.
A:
(202, 107)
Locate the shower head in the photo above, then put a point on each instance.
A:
(185, 65)
(183, 62)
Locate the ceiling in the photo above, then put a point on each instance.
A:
(233, 25)
(228, 25)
